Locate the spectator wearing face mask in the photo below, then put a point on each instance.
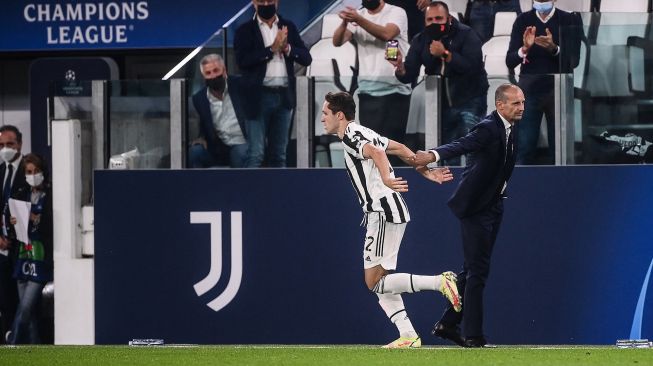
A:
(12, 172)
(221, 141)
(267, 48)
(34, 262)
(545, 41)
(451, 49)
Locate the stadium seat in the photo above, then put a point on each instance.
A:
(503, 22)
(494, 54)
(331, 66)
(621, 6)
(582, 6)
(324, 49)
(495, 49)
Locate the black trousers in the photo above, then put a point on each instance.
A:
(387, 115)
(479, 233)
(8, 294)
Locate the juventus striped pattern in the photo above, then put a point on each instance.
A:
(380, 239)
(373, 195)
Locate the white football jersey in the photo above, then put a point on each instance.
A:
(373, 195)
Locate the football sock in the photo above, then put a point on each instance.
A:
(398, 283)
(393, 306)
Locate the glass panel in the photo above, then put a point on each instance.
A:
(613, 108)
(72, 100)
(139, 123)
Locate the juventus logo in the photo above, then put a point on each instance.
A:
(214, 218)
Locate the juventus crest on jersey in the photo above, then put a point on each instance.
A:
(373, 195)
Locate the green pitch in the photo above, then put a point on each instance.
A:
(317, 355)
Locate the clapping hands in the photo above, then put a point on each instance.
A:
(281, 40)
(545, 41)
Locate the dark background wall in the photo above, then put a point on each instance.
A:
(568, 267)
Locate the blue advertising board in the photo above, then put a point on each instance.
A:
(275, 257)
(115, 24)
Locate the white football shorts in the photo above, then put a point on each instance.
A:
(382, 242)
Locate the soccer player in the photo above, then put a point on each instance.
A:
(386, 214)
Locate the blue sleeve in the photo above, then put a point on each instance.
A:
(249, 54)
(470, 57)
(413, 62)
(516, 41)
(298, 51)
(477, 139)
(206, 126)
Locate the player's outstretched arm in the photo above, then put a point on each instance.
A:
(402, 151)
(438, 175)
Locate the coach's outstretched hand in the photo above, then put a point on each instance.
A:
(423, 157)
(438, 175)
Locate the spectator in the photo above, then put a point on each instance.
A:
(34, 266)
(15, 186)
(480, 14)
(383, 100)
(266, 49)
(545, 41)
(221, 140)
(414, 12)
(449, 48)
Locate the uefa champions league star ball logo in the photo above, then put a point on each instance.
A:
(70, 76)
(71, 87)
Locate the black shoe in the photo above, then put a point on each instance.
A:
(451, 333)
(477, 342)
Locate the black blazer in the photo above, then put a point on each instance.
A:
(252, 58)
(20, 190)
(203, 108)
(487, 168)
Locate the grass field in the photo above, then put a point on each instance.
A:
(318, 355)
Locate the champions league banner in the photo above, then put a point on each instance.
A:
(274, 256)
(93, 24)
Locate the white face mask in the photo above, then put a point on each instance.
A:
(7, 154)
(34, 180)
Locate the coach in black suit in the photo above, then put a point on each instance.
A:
(266, 49)
(478, 203)
(14, 185)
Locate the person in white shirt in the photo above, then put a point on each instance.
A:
(384, 101)
(385, 214)
(222, 141)
(267, 48)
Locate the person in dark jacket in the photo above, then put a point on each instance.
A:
(545, 41)
(12, 171)
(34, 260)
(478, 204)
(267, 48)
(449, 48)
(222, 140)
